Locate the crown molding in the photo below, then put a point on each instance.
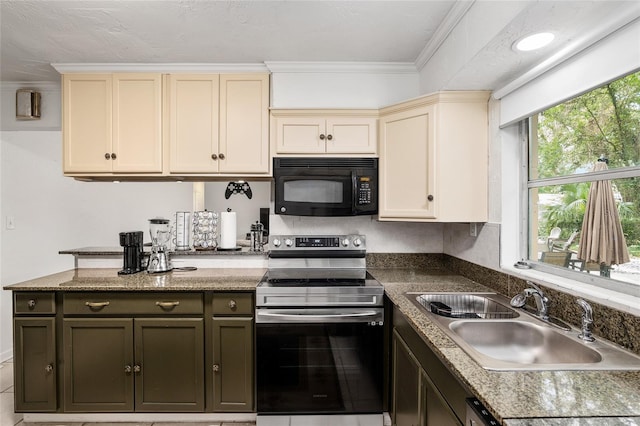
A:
(455, 14)
(64, 68)
(342, 67)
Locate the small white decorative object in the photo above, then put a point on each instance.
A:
(27, 104)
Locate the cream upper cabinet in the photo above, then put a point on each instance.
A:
(218, 123)
(193, 123)
(337, 132)
(434, 159)
(244, 123)
(87, 124)
(112, 123)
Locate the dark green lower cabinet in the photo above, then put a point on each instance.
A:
(98, 371)
(233, 364)
(125, 364)
(170, 355)
(406, 386)
(35, 364)
(441, 396)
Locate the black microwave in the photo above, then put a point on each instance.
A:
(325, 186)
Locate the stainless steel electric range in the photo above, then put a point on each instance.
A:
(319, 334)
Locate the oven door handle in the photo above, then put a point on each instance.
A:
(301, 316)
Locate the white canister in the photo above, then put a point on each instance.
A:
(182, 231)
(228, 230)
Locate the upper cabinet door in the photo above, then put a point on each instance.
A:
(87, 123)
(244, 123)
(137, 123)
(351, 135)
(434, 158)
(327, 131)
(407, 166)
(300, 135)
(193, 123)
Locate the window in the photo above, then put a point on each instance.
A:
(586, 145)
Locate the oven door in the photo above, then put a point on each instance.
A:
(329, 363)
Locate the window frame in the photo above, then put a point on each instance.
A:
(526, 128)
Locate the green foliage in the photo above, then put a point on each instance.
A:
(573, 135)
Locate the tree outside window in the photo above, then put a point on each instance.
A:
(565, 143)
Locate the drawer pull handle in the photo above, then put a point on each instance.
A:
(167, 305)
(216, 368)
(96, 305)
(137, 369)
(49, 368)
(127, 369)
(31, 303)
(233, 305)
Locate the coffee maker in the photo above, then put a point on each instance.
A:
(132, 256)
(160, 235)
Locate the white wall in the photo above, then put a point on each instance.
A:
(53, 213)
(328, 85)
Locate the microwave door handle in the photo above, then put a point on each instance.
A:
(354, 191)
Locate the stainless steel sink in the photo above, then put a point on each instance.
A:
(499, 338)
(523, 342)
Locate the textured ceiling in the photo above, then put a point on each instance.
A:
(478, 54)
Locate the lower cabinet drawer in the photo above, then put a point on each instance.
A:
(37, 302)
(233, 303)
(109, 303)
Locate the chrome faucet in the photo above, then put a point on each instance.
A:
(542, 301)
(587, 320)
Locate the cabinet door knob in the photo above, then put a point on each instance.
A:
(233, 305)
(31, 303)
(329, 137)
(49, 368)
(221, 155)
(127, 369)
(430, 197)
(137, 369)
(214, 157)
(216, 368)
(322, 136)
(113, 155)
(107, 156)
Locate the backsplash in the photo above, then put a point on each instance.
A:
(619, 327)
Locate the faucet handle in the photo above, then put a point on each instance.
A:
(587, 320)
(587, 314)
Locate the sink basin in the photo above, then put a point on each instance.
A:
(523, 342)
(458, 305)
(499, 337)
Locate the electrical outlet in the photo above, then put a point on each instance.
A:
(11, 223)
(473, 229)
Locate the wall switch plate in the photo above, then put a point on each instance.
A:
(11, 223)
(473, 229)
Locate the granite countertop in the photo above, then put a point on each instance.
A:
(117, 251)
(516, 398)
(543, 398)
(90, 279)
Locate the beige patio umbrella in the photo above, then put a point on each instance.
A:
(602, 241)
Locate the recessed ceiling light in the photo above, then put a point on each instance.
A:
(533, 42)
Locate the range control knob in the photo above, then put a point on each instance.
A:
(357, 242)
(288, 242)
(345, 242)
(276, 242)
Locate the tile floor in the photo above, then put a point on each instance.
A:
(9, 418)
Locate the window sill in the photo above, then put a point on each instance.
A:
(613, 299)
